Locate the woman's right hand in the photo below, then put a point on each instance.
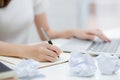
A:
(41, 52)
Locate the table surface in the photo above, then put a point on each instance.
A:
(62, 71)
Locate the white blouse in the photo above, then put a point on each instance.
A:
(17, 20)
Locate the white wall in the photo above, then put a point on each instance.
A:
(62, 14)
(108, 13)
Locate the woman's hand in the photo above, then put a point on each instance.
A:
(89, 34)
(41, 52)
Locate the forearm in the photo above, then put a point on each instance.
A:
(41, 21)
(7, 49)
(61, 34)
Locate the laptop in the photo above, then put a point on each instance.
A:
(95, 47)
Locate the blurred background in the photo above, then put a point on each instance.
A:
(63, 14)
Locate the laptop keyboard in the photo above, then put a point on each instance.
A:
(100, 46)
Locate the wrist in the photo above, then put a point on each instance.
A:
(73, 32)
(69, 33)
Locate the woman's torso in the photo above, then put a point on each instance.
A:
(16, 20)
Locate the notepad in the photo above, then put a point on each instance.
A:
(6, 72)
(64, 57)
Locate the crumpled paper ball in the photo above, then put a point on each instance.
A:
(108, 64)
(27, 68)
(82, 65)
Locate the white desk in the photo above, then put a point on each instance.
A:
(62, 71)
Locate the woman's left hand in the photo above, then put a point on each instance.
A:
(89, 34)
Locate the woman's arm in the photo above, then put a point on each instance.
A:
(7, 49)
(41, 21)
(39, 52)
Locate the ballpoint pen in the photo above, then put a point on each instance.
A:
(46, 36)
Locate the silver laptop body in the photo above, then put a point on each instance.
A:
(95, 47)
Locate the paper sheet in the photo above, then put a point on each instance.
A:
(11, 61)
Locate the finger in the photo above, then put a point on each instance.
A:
(51, 59)
(103, 37)
(54, 49)
(51, 53)
(99, 33)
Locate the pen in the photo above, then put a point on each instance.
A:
(67, 51)
(46, 36)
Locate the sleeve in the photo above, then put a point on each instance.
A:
(39, 6)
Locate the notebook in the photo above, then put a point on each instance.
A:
(11, 61)
(6, 72)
